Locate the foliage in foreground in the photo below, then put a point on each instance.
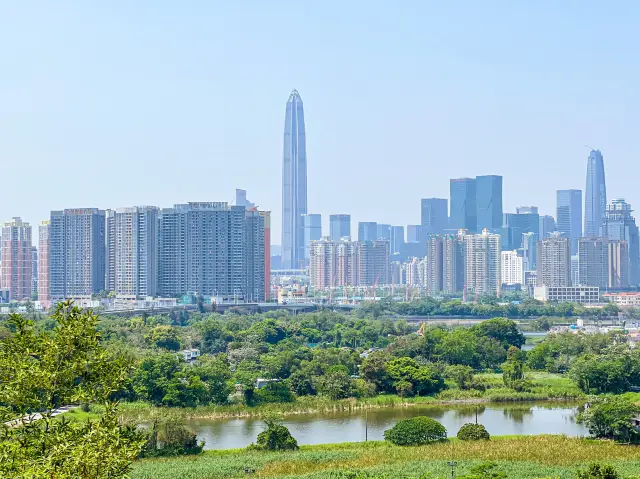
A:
(275, 438)
(169, 437)
(473, 432)
(416, 431)
(41, 371)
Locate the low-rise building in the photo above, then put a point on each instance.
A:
(623, 299)
(568, 294)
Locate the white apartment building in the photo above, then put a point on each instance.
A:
(512, 268)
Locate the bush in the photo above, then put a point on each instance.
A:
(275, 438)
(273, 392)
(415, 431)
(597, 471)
(473, 432)
(171, 438)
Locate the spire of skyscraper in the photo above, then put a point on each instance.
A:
(294, 184)
(595, 199)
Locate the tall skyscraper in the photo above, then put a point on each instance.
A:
(136, 252)
(569, 216)
(620, 225)
(520, 223)
(434, 214)
(453, 264)
(489, 202)
(213, 249)
(548, 226)
(77, 253)
(294, 184)
(339, 227)
(312, 223)
(414, 233)
(397, 239)
(482, 253)
(593, 262)
(384, 232)
(434, 263)
(367, 231)
(554, 261)
(529, 250)
(44, 296)
(16, 259)
(595, 199)
(463, 204)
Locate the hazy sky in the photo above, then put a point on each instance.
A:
(124, 103)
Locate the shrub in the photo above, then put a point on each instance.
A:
(275, 438)
(473, 432)
(171, 438)
(273, 392)
(597, 471)
(415, 431)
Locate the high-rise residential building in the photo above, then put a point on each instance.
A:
(569, 216)
(554, 261)
(34, 272)
(398, 273)
(384, 232)
(412, 276)
(595, 199)
(44, 295)
(339, 227)
(110, 250)
(488, 202)
(512, 271)
(482, 254)
(520, 223)
(241, 199)
(212, 249)
(348, 263)
(529, 250)
(373, 262)
(593, 262)
(136, 260)
(16, 259)
(434, 265)
(620, 225)
(266, 220)
(397, 239)
(434, 214)
(464, 214)
(547, 226)
(312, 223)
(367, 231)
(294, 184)
(453, 264)
(618, 276)
(77, 253)
(414, 234)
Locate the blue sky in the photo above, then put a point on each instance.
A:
(122, 103)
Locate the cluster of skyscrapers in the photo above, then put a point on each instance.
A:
(464, 244)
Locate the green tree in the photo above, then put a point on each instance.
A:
(423, 380)
(416, 431)
(336, 383)
(473, 432)
(513, 369)
(152, 377)
(165, 337)
(610, 417)
(374, 370)
(41, 371)
(461, 375)
(275, 438)
(503, 330)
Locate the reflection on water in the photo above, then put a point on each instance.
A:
(499, 419)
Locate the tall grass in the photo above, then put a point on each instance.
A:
(525, 457)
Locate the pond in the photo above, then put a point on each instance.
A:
(353, 426)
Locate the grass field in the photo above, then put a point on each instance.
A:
(545, 386)
(522, 457)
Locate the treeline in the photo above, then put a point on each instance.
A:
(490, 307)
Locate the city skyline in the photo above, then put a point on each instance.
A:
(493, 107)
